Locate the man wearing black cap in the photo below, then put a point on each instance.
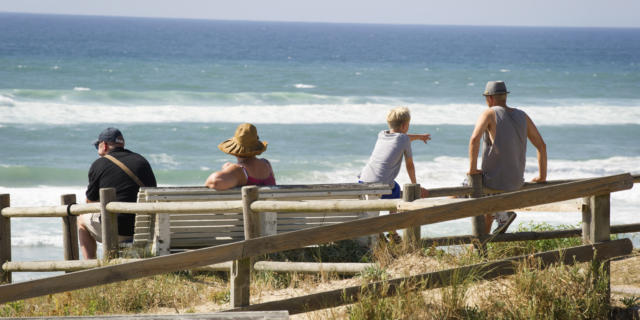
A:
(117, 168)
(505, 131)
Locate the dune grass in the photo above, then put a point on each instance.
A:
(558, 292)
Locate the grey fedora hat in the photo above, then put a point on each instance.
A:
(495, 87)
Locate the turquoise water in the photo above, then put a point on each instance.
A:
(318, 94)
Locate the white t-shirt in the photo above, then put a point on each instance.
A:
(386, 158)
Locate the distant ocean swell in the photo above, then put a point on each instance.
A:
(333, 110)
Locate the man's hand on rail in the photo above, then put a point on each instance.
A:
(474, 171)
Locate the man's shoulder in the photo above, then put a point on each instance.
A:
(100, 162)
(125, 153)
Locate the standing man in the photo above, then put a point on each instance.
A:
(505, 131)
(117, 168)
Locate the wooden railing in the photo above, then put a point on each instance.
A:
(596, 229)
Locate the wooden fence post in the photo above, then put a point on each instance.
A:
(598, 228)
(109, 224)
(411, 192)
(5, 239)
(241, 269)
(69, 230)
(478, 225)
(586, 220)
(161, 244)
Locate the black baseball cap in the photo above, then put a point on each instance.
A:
(109, 135)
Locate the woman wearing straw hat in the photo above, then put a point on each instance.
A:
(248, 170)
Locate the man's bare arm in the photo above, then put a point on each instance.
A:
(474, 142)
(536, 139)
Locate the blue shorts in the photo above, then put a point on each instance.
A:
(396, 193)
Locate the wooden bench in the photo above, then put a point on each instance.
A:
(166, 233)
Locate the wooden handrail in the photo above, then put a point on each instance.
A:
(189, 207)
(51, 211)
(312, 236)
(176, 207)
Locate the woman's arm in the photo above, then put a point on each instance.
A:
(230, 176)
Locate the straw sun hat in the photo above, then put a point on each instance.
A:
(245, 142)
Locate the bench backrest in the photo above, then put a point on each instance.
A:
(189, 231)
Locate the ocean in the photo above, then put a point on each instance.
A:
(318, 93)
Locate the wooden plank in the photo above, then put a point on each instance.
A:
(142, 225)
(206, 229)
(268, 196)
(288, 195)
(247, 315)
(206, 223)
(318, 235)
(572, 205)
(283, 188)
(199, 243)
(284, 215)
(316, 220)
(204, 217)
(5, 237)
(77, 265)
(269, 223)
(70, 230)
(51, 211)
(432, 280)
(625, 228)
(206, 235)
(324, 206)
(295, 227)
(175, 207)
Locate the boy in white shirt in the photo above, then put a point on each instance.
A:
(392, 145)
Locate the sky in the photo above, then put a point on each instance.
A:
(567, 13)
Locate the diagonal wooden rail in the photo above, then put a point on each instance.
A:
(318, 235)
(438, 279)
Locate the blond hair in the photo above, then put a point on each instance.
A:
(397, 117)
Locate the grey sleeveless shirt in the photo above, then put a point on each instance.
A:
(503, 160)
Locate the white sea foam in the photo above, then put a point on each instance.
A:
(304, 86)
(6, 101)
(81, 89)
(367, 113)
(163, 159)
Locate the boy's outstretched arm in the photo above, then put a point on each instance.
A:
(424, 137)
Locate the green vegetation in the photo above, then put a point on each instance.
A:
(558, 292)
(175, 291)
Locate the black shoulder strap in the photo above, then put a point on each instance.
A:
(125, 169)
